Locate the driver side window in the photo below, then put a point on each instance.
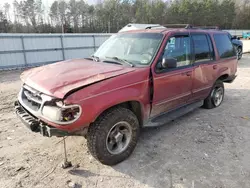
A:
(178, 47)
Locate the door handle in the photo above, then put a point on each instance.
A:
(215, 67)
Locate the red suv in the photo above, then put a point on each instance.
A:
(135, 79)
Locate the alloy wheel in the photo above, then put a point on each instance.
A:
(119, 137)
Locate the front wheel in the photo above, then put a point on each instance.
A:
(113, 136)
(216, 96)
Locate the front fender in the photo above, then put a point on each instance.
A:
(95, 105)
(97, 98)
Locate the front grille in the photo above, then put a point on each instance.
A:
(31, 98)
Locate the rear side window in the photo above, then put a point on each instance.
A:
(224, 46)
(202, 48)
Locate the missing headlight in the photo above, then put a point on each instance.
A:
(61, 114)
(69, 114)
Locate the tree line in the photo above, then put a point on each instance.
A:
(76, 16)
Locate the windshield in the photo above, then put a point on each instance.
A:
(137, 48)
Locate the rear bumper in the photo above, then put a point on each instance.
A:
(230, 79)
(35, 125)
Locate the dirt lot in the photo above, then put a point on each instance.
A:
(246, 45)
(206, 148)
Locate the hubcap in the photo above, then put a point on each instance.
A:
(119, 137)
(218, 96)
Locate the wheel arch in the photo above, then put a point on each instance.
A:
(135, 106)
(223, 77)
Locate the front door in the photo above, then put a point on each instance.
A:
(172, 86)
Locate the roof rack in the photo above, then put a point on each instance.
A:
(189, 26)
(186, 26)
(154, 26)
(133, 26)
(206, 27)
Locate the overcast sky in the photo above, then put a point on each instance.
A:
(46, 3)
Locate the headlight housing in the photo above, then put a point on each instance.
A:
(59, 113)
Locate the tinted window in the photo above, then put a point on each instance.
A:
(224, 46)
(178, 47)
(202, 48)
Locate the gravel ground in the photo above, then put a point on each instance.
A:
(205, 148)
(246, 46)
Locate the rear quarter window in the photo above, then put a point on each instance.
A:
(224, 46)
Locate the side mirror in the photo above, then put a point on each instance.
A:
(168, 63)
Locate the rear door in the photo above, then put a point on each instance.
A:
(227, 60)
(172, 86)
(204, 65)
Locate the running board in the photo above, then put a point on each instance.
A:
(172, 115)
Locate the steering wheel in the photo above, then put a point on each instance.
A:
(146, 57)
(147, 53)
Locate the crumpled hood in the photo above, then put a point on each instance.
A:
(60, 78)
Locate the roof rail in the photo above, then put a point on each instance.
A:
(153, 26)
(207, 27)
(189, 26)
(186, 26)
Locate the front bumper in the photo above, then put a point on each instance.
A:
(36, 125)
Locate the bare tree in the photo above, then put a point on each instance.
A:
(31, 12)
(74, 13)
(82, 7)
(54, 13)
(15, 10)
(3, 23)
(7, 11)
(62, 7)
(111, 15)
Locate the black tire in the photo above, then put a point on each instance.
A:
(239, 52)
(100, 129)
(209, 102)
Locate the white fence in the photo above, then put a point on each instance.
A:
(26, 50)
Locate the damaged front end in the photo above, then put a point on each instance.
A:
(36, 125)
(33, 107)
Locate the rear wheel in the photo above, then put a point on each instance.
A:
(216, 96)
(113, 137)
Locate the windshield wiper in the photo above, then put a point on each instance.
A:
(114, 62)
(122, 60)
